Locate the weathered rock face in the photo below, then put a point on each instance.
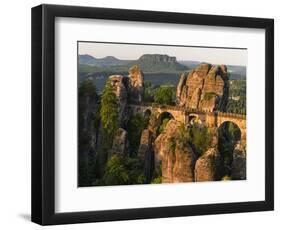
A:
(177, 159)
(119, 83)
(196, 78)
(120, 142)
(195, 99)
(87, 131)
(145, 146)
(209, 104)
(204, 88)
(238, 171)
(182, 90)
(136, 84)
(127, 88)
(161, 147)
(183, 170)
(207, 167)
(145, 153)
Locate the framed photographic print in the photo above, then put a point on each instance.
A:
(142, 114)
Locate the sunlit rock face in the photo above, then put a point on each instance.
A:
(183, 170)
(145, 153)
(204, 88)
(182, 90)
(136, 84)
(177, 158)
(207, 167)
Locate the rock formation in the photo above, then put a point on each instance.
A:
(145, 153)
(120, 142)
(136, 84)
(127, 88)
(238, 171)
(183, 170)
(207, 167)
(119, 84)
(177, 158)
(181, 93)
(204, 88)
(88, 133)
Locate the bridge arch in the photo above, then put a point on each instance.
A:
(162, 120)
(229, 135)
(239, 120)
(165, 115)
(194, 118)
(231, 127)
(147, 112)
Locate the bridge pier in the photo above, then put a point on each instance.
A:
(243, 137)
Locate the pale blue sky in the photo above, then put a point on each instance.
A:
(132, 52)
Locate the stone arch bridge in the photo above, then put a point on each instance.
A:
(187, 116)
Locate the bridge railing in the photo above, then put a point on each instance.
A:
(187, 110)
(234, 115)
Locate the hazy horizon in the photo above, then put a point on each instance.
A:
(227, 56)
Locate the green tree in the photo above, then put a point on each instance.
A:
(200, 139)
(122, 170)
(148, 91)
(109, 121)
(237, 97)
(115, 172)
(135, 126)
(87, 88)
(157, 180)
(164, 95)
(157, 175)
(109, 110)
(163, 125)
(183, 136)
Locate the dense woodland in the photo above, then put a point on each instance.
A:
(237, 97)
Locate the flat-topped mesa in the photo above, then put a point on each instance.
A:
(136, 84)
(158, 58)
(204, 88)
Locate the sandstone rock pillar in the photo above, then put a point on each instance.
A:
(207, 167)
(145, 153)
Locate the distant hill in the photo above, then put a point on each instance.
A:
(190, 64)
(86, 59)
(237, 72)
(149, 63)
(237, 69)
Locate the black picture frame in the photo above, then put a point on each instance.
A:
(43, 110)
